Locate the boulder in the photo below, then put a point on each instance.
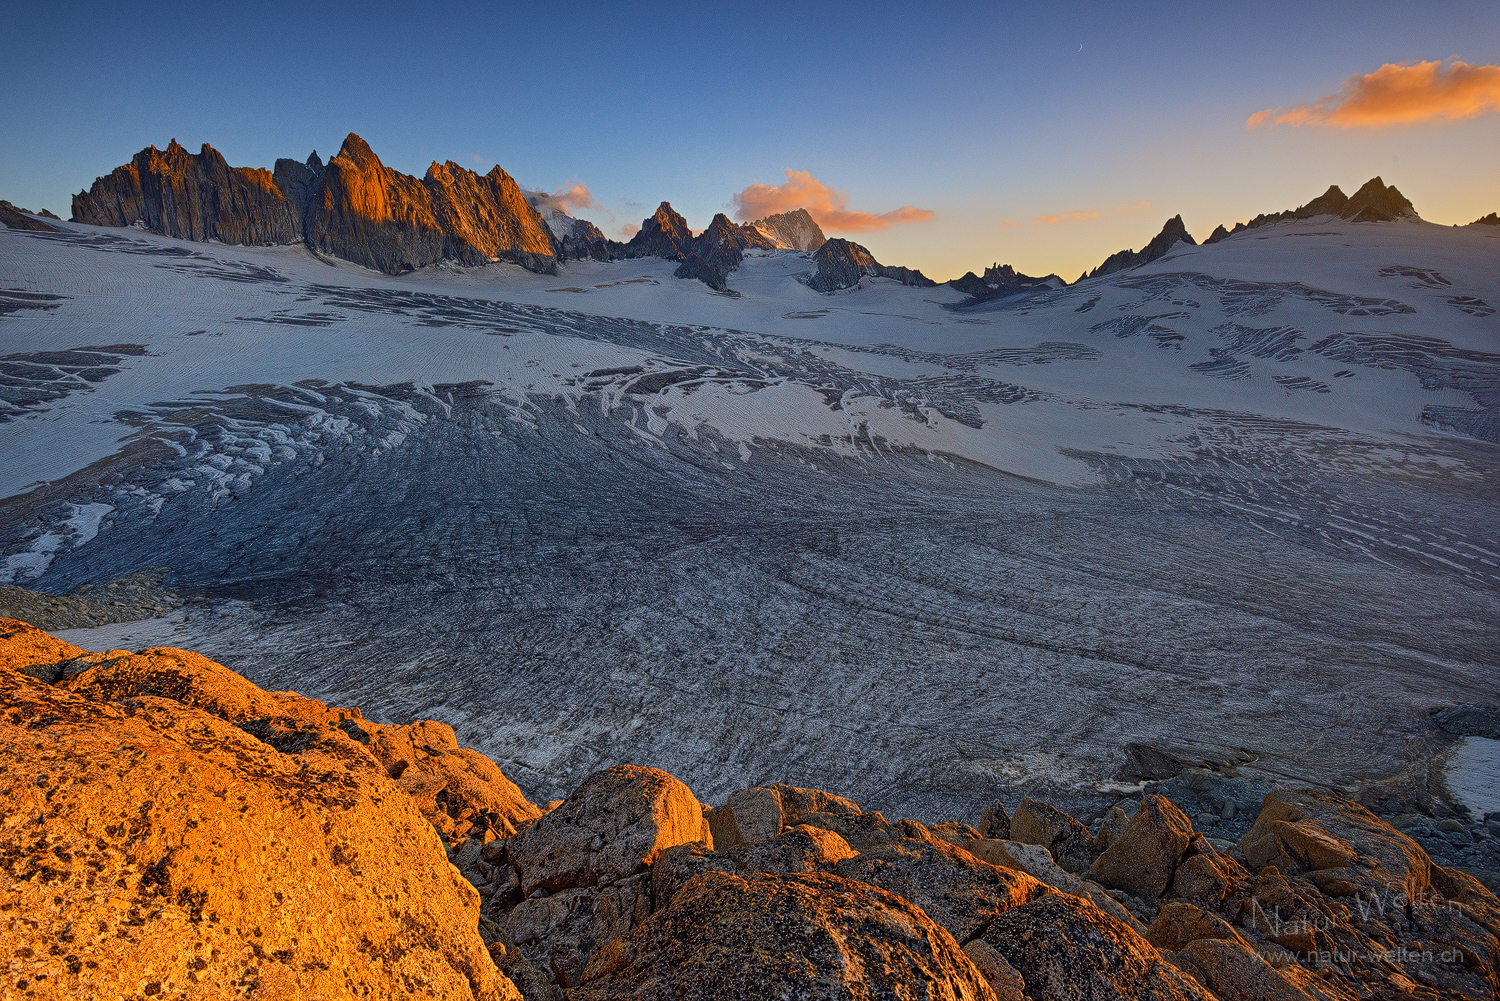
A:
(802, 849)
(464, 791)
(1180, 922)
(952, 887)
(953, 832)
(994, 822)
(159, 850)
(614, 825)
(1070, 843)
(756, 936)
(1005, 980)
(1144, 858)
(765, 811)
(1111, 827)
(1065, 947)
(565, 929)
(34, 653)
(1037, 862)
(1231, 969)
(1206, 877)
(1303, 831)
(864, 831)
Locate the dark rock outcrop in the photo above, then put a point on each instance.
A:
(299, 182)
(842, 263)
(176, 193)
(1493, 219)
(1173, 233)
(663, 234)
(718, 250)
(794, 230)
(1375, 201)
(12, 217)
(1001, 280)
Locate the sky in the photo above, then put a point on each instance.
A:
(942, 137)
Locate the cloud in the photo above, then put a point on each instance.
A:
(824, 204)
(629, 229)
(1397, 94)
(1053, 220)
(565, 200)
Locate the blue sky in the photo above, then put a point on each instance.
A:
(1120, 115)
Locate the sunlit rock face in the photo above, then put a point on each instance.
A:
(370, 214)
(355, 208)
(794, 230)
(201, 197)
(181, 833)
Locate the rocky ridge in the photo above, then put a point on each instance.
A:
(1001, 280)
(842, 263)
(1375, 201)
(354, 208)
(1173, 233)
(224, 841)
(12, 217)
(191, 197)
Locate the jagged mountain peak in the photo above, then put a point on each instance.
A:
(842, 263)
(1172, 233)
(794, 230)
(356, 151)
(1376, 201)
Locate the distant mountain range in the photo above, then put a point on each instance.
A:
(360, 210)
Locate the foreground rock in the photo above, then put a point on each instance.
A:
(172, 830)
(613, 825)
(153, 848)
(765, 936)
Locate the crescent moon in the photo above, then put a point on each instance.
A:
(1080, 47)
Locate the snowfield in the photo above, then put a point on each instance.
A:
(1238, 504)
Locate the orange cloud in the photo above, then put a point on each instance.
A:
(824, 204)
(569, 200)
(1397, 94)
(1053, 220)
